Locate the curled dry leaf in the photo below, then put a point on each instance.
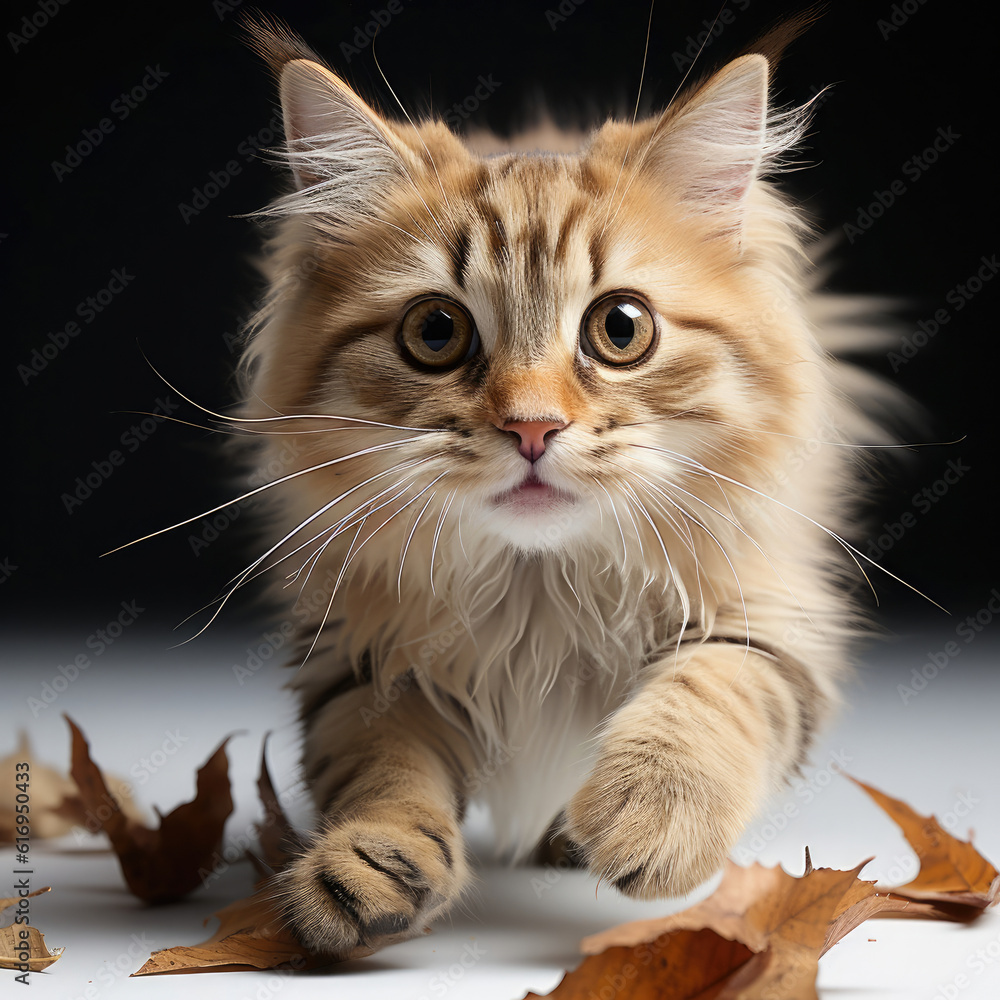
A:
(682, 964)
(251, 935)
(56, 807)
(954, 878)
(783, 922)
(163, 864)
(22, 947)
(278, 838)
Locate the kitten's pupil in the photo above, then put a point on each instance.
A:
(620, 324)
(437, 330)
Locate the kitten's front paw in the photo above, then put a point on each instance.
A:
(653, 824)
(367, 882)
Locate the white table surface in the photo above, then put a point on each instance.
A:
(939, 752)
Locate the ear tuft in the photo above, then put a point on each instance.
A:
(711, 148)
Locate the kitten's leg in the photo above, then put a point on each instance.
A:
(685, 765)
(388, 857)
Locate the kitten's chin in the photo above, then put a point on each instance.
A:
(537, 517)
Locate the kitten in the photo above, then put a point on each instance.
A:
(558, 549)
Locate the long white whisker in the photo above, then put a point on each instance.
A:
(437, 532)
(850, 549)
(260, 489)
(406, 546)
(247, 574)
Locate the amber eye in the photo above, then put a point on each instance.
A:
(618, 329)
(438, 333)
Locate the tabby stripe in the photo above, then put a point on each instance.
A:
(460, 255)
(341, 895)
(414, 893)
(316, 702)
(698, 692)
(795, 674)
(449, 861)
(570, 222)
(598, 253)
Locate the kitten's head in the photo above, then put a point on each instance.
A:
(564, 344)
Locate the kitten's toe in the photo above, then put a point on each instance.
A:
(365, 884)
(655, 831)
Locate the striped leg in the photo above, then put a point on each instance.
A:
(684, 765)
(388, 857)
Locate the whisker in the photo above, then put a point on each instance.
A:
(260, 489)
(247, 575)
(850, 549)
(406, 546)
(437, 532)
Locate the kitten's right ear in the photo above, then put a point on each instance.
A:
(330, 132)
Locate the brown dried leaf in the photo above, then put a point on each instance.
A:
(164, 864)
(682, 964)
(953, 876)
(251, 935)
(16, 939)
(23, 948)
(723, 911)
(276, 834)
(56, 807)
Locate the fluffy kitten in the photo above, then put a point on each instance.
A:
(555, 532)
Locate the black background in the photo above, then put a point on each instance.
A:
(194, 281)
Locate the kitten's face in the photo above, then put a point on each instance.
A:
(573, 331)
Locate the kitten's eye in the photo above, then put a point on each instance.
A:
(617, 329)
(438, 333)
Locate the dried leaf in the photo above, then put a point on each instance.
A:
(787, 922)
(56, 807)
(723, 911)
(22, 947)
(276, 834)
(682, 964)
(251, 935)
(793, 919)
(953, 876)
(163, 864)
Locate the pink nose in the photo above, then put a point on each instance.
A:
(531, 435)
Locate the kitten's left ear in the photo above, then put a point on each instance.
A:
(711, 149)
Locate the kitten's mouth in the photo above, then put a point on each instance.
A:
(532, 493)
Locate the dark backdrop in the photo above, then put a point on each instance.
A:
(100, 181)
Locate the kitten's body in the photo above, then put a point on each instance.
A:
(558, 582)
